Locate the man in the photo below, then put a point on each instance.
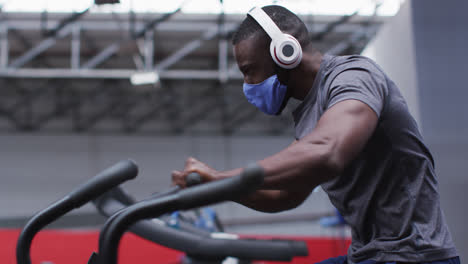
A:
(354, 136)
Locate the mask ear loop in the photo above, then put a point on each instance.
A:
(287, 96)
(279, 71)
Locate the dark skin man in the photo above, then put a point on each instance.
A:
(356, 138)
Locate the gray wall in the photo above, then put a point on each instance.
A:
(441, 42)
(393, 49)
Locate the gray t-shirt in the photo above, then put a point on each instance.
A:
(388, 194)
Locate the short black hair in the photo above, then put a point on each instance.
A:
(286, 21)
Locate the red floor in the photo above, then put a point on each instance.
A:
(75, 247)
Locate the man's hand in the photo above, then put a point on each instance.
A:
(193, 165)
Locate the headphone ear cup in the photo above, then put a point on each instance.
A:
(287, 52)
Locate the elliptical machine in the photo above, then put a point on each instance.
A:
(201, 247)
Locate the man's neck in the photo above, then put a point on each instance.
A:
(306, 73)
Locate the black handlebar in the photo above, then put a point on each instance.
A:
(249, 180)
(197, 242)
(104, 181)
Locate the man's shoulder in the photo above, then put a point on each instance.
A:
(350, 68)
(341, 63)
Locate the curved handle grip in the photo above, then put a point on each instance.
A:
(107, 179)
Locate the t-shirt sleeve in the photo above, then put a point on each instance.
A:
(361, 84)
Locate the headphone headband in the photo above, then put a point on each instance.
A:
(266, 23)
(285, 50)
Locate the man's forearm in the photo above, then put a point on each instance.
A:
(300, 166)
(271, 201)
(290, 176)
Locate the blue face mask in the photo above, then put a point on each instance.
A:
(268, 96)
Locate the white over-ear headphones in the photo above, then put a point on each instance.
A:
(284, 48)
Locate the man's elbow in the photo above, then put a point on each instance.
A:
(329, 164)
(334, 165)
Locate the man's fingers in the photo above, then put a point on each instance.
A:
(176, 174)
(193, 165)
(190, 164)
(178, 178)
